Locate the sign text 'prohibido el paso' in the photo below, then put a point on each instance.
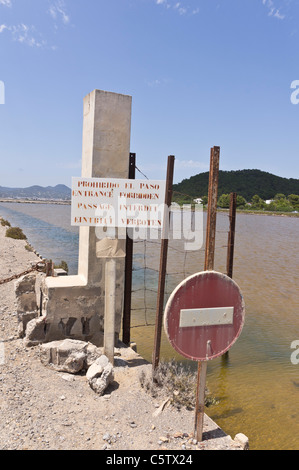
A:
(111, 202)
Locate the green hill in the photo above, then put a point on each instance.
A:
(245, 183)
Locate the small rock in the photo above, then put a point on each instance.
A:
(100, 374)
(242, 440)
(68, 377)
(97, 367)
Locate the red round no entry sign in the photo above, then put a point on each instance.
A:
(204, 316)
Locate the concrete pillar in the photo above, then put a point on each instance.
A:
(73, 306)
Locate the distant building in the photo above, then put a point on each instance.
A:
(268, 201)
(198, 200)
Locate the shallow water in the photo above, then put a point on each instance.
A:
(257, 384)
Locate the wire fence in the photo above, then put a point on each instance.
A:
(181, 263)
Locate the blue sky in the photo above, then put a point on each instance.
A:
(200, 73)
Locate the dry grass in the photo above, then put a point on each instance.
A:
(175, 381)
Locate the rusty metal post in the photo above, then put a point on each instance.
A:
(163, 263)
(212, 209)
(128, 270)
(231, 234)
(209, 266)
(200, 399)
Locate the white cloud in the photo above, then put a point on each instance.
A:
(28, 34)
(57, 10)
(24, 34)
(278, 15)
(180, 9)
(6, 3)
(273, 10)
(177, 6)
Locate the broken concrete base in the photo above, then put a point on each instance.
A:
(71, 356)
(74, 356)
(26, 304)
(35, 333)
(24, 319)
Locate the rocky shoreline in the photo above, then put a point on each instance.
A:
(45, 409)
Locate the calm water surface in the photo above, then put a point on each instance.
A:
(257, 384)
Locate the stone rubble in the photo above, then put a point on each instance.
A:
(74, 356)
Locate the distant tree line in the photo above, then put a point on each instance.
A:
(253, 188)
(280, 203)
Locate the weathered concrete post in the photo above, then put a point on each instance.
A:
(110, 295)
(74, 306)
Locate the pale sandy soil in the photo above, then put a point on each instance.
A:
(41, 410)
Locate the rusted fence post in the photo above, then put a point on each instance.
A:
(212, 209)
(231, 234)
(209, 266)
(163, 263)
(128, 270)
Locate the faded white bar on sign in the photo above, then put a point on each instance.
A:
(206, 317)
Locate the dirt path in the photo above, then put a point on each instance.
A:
(41, 409)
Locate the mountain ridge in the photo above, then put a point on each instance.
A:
(58, 192)
(245, 183)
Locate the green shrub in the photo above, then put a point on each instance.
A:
(16, 233)
(28, 248)
(5, 223)
(62, 265)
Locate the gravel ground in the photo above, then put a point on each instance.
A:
(42, 409)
